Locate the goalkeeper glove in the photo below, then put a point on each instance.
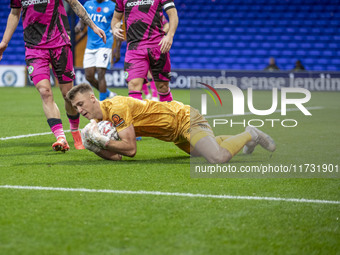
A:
(86, 140)
(96, 137)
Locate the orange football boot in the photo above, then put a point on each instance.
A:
(78, 144)
(61, 145)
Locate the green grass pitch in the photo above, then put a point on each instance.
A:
(65, 222)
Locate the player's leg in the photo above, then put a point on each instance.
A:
(154, 93)
(215, 149)
(145, 90)
(232, 144)
(49, 106)
(103, 94)
(135, 87)
(164, 91)
(257, 138)
(38, 68)
(197, 138)
(53, 115)
(62, 64)
(219, 139)
(160, 68)
(89, 64)
(208, 148)
(262, 139)
(90, 77)
(103, 59)
(136, 66)
(73, 116)
(236, 142)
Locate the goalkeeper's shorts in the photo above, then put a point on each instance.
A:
(193, 131)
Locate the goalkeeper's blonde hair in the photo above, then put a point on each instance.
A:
(81, 88)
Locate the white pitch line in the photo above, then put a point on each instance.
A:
(175, 194)
(207, 117)
(250, 113)
(29, 135)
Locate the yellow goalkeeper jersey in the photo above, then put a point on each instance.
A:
(166, 121)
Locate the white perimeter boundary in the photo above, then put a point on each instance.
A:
(207, 117)
(175, 194)
(29, 135)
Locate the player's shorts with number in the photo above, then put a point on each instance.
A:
(97, 58)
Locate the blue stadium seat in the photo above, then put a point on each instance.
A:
(335, 61)
(274, 52)
(242, 34)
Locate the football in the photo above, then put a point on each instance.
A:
(108, 129)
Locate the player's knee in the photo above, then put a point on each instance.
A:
(162, 87)
(45, 93)
(101, 73)
(89, 77)
(223, 156)
(135, 85)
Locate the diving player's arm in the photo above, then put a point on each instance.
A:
(126, 145)
(105, 154)
(167, 40)
(99, 151)
(109, 155)
(82, 13)
(115, 149)
(12, 23)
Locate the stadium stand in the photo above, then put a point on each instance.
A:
(242, 34)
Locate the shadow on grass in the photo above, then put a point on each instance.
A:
(87, 158)
(91, 159)
(44, 153)
(102, 162)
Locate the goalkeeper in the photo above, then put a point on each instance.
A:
(166, 121)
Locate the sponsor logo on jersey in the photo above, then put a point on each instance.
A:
(126, 75)
(34, 2)
(30, 69)
(98, 18)
(106, 9)
(117, 120)
(142, 2)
